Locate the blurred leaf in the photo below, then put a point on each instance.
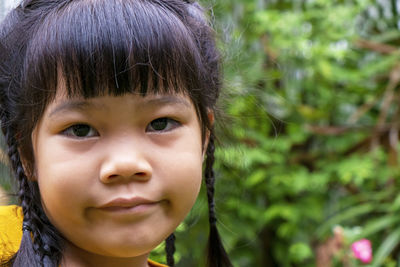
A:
(386, 247)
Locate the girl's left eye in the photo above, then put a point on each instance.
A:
(162, 125)
(80, 131)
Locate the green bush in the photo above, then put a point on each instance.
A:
(310, 133)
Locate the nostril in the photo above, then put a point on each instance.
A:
(138, 174)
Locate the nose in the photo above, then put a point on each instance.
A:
(125, 162)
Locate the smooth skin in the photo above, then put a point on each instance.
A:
(141, 154)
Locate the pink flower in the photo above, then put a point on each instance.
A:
(362, 250)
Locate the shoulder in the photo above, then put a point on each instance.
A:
(155, 264)
(10, 230)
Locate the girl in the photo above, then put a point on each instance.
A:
(107, 107)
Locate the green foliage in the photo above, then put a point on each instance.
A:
(310, 133)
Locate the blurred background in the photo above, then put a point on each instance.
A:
(308, 157)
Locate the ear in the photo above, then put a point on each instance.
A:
(27, 159)
(211, 118)
(30, 173)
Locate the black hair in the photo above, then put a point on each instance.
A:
(103, 47)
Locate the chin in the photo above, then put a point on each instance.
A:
(128, 251)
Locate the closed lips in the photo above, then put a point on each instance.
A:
(121, 203)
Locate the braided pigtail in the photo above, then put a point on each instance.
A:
(26, 198)
(217, 256)
(170, 249)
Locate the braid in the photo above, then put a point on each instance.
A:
(217, 256)
(210, 180)
(36, 252)
(25, 198)
(170, 249)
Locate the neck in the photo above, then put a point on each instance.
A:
(77, 257)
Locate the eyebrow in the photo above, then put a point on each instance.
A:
(85, 104)
(75, 105)
(167, 100)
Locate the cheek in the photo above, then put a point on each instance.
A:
(63, 184)
(184, 182)
(58, 192)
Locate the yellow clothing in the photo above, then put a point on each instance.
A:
(155, 264)
(11, 233)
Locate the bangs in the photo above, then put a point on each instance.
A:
(102, 47)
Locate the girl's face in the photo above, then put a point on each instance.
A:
(118, 174)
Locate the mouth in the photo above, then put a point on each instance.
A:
(128, 204)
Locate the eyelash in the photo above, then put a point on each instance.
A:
(171, 124)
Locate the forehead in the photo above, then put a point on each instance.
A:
(64, 103)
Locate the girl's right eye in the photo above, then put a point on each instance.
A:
(80, 131)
